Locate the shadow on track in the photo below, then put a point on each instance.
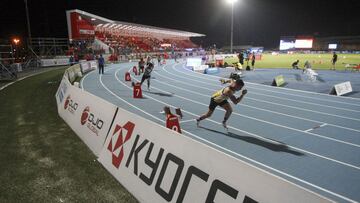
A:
(160, 94)
(253, 140)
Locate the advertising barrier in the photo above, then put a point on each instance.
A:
(88, 116)
(157, 164)
(55, 62)
(200, 68)
(87, 66)
(73, 72)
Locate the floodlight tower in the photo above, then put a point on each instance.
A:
(28, 21)
(232, 2)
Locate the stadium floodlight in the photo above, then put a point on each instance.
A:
(232, 2)
(16, 41)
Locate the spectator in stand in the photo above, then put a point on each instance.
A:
(334, 60)
(295, 65)
(101, 62)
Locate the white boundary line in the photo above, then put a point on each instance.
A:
(301, 118)
(20, 79)
(244, 157)
(249, 133)
(303, 109)
(316, 127)
(186, 121)
(239, 155)
(253, 118)
(262, 100)
(206, 77)
(257, 93)
(302, 91)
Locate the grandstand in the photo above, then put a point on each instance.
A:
(109, 36)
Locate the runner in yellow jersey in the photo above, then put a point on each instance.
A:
(220, 98)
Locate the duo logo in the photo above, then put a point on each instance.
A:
(85, 115)
(118, 140)
(70, 105)
(67, 101)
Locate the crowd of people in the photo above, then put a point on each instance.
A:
(132, 44)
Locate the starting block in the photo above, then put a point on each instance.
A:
(137, 92)
(127, 76)
(172, 121)
(135, 70)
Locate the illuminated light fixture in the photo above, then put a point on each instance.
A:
(231, 1)
(16, 41)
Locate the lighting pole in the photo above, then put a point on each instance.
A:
(232, 2)
(28, 22)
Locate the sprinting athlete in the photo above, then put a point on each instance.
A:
(232, 77)
(147, 74)
(220, 98)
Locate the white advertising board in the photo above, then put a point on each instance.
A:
(55, 62)
(89, 116)
(159, 165)
(193, 62)
(342, 88)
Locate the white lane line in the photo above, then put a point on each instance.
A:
(82, 79)
(294, 90)
(20, 79)
(253, 118)
(207, 77)
(249, 133)
(186, 121)
(263, 101)
(242, 104)
(239, 155)
(267, 95)
(316, 127)
(302, 109)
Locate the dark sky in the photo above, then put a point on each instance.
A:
(257, 22)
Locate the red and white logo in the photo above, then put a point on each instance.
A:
(93, 122)
(67, 101)
(85, 115)
(70, 105)
(118, 140)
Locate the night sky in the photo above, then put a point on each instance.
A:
(257, 22)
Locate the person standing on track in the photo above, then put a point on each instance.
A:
(159, 60)
(147, 74)
(141, 65)
(220, 98)
(101, 62)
